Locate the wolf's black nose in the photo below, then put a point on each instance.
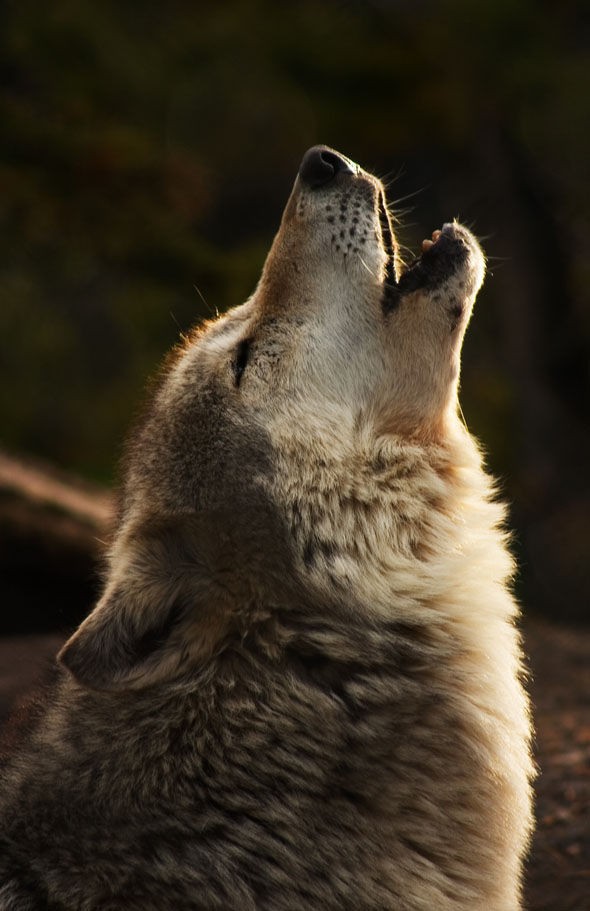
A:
(321, 164)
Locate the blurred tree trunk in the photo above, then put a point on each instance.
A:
(52, 533)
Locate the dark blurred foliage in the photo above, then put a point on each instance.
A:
(147, 150)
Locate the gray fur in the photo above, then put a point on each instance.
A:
(301, 687)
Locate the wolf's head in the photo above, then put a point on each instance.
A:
(338, 357)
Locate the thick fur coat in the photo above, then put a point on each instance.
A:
(301, 686)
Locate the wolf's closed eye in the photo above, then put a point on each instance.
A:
(240, 361)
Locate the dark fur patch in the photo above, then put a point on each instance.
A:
(29, 887)
(156, 636)
(455, 312)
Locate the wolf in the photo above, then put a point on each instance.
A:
(302, 685)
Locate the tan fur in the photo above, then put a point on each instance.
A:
(301, 688)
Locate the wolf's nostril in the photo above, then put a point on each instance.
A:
(321, 164)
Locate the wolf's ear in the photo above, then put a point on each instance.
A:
(163, 609)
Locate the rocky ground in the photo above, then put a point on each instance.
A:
(52, 529)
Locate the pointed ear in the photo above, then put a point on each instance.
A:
(163, 610)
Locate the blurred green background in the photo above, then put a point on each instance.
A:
(146, 153)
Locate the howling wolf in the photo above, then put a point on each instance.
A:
(301, 687)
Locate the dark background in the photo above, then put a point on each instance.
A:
(147, 150)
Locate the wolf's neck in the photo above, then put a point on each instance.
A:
(397, 526)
